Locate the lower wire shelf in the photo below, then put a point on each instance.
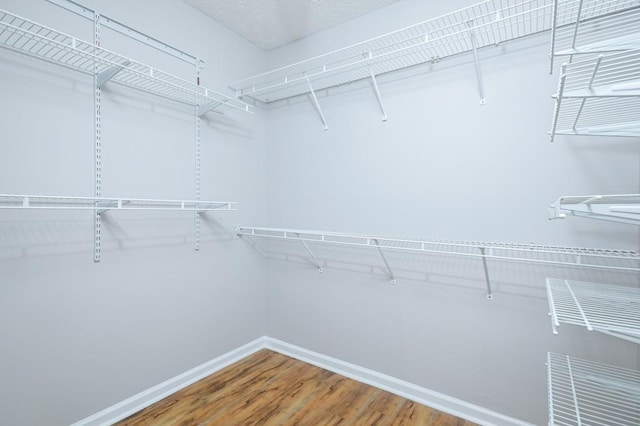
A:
(609, 309)
(602, 259)
(589, 393)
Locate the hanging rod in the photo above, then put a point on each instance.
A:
(622, 260)
(623, 208)
(35, 40)
(49, 202)
(610, 309)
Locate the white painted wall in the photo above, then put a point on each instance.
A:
(78, 336)
(442, 167)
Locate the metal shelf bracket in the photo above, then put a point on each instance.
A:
(476, 61)
(486, 272)
(386, 264)
(314, 259)
(378, 97)
(316, 104)
(107, 75)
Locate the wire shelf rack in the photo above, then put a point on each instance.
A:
(623, 208)
(484, 24)
(588, 393)
(48, 202)
(622, 260)
(35, 40)
(599, 96)
(594, 26)
(610, 309)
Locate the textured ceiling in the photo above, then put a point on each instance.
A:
(272, 23)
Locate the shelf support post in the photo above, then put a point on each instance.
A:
(476, 60)
(556, 112)
(554, 22)
(386, 264)
(575, 30)
(378, 97)
(486, 273)
(97, 144)
(197, 115)
(314, 259)
(316, 104)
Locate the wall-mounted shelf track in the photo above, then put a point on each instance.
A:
(528, 253)
(610, 309)
(589, 393)
(30, 38)
(588, 27)
(599, 96)
(623, 208)
(101, 205)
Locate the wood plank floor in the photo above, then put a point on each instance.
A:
(268, 388)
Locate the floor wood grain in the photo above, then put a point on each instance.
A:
(268, 388)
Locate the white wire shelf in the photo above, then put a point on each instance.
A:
(599, 96)
(483, 24)
(622, 260)
(47, 202)
(35, 40)
(594, 26)
(589, 393)
(610, 309)
(624, 208)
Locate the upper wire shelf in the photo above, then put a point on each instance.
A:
(594, 26)
(599, 96)
(483, 24)
(624, 208)
(610, 309)
(101, 204)
(589, 393)
(30, 38)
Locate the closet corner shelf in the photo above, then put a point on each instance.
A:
(589, 393)
(483, 24)
(609, 309)
(35, 40)
(101, 205)
(587, 27)
(623, 208)
(599, 96)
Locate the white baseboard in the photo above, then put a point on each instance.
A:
(396, 386)
(152, 395)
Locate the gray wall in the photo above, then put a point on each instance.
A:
(444, 167)
(79, 336)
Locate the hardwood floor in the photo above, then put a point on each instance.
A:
(268, 388)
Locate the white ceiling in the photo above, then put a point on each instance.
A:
(272, 23)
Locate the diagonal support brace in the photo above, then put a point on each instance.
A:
(378, 97)
(314, 259)
(486, 273)
(316, 104)
(203, 109)
(107, 75)
(386, 264)
(476, 60)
